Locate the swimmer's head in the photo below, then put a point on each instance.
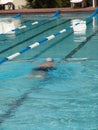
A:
(49, 59)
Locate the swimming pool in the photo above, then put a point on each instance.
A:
(66, 99)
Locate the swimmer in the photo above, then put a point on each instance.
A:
(49, 65)
(43, 68)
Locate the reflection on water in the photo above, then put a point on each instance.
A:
(94, 23)
(7, 26)
(79, 30)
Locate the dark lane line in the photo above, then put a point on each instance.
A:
(2, 51)
(15, 105)
(80, 46)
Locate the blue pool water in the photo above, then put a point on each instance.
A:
(67, 98)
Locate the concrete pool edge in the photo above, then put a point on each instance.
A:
(47, 10)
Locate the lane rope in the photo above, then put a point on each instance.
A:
(37, 22)
(54, 16)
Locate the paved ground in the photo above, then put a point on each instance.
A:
(50, 10)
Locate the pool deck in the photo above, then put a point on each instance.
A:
(48, 10)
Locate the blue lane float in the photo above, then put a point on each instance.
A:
(45, 39)
(17, 16)
(56, 14)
